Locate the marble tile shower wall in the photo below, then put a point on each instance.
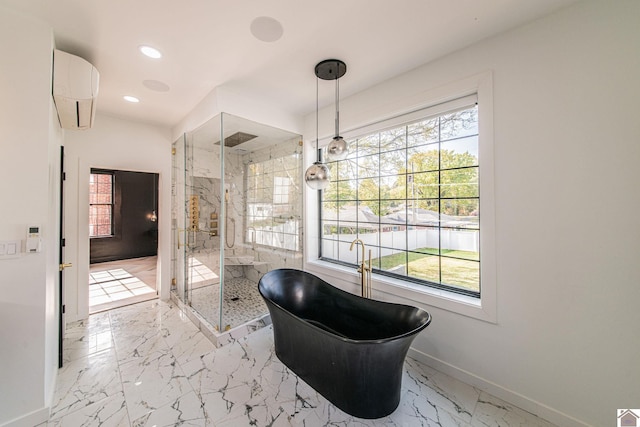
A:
(208, 192)
(234, 184)
(203, 180)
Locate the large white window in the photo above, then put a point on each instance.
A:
(410, 190)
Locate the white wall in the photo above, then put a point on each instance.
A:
(29, 140)
(112, 143)
(567, 149)
(223, 100)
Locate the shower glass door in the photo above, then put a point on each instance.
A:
(177, 218)
(203, 227)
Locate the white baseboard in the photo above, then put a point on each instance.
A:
(31, 419)
(543, 411)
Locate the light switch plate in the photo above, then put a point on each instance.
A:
(10, 249)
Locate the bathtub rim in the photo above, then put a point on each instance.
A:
(409, 333)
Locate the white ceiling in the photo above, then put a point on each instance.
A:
(208, 43)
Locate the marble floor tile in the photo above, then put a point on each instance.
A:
(80, 343)
(152, 383)
(108, 412)
(143, 344)
(86, 337)
(177, 330)
(94, 323)
(190, 350)
(185, 411)
(85, 381)
(148, 314)
(220, 404)
(148, 365)
(256, 414)
(494, 412)
(439, 392)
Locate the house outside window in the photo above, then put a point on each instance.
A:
(411, 192)
(101, 204)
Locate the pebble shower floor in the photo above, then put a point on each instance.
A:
(241, 302)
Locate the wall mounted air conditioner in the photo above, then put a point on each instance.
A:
(75, 90)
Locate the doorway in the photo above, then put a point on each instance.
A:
(123, 238)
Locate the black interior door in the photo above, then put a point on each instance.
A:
(62, 264)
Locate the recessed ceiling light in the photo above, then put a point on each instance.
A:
(150, 52)
(130, 98)
(266, 29)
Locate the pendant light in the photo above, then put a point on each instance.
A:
(317, 175)
(333, 69)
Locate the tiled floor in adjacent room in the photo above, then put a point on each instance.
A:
(147, 365)
(119, 283)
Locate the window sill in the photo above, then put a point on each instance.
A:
(478, 308)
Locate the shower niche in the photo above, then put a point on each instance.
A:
(236, 214)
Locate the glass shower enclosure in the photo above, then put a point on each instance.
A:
(237, 213)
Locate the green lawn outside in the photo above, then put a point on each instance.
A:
(457, 272)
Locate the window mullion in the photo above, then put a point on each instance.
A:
(406, 198)
(439, 200)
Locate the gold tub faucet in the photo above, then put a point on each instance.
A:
(364, 270)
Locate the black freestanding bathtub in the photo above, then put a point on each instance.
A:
(349, 349)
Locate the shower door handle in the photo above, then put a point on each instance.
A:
(192, 243)
(179, 244)
(186, 237)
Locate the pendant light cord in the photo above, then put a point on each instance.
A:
(317, 126)
(337, 99)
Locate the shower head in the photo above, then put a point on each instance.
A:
(237, 139)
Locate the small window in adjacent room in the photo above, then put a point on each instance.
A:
(100, 204)
(409, 189)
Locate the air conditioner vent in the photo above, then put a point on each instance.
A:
(75, 90)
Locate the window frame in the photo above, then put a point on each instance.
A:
(400, 126)
(111, 205)
(387, 288)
